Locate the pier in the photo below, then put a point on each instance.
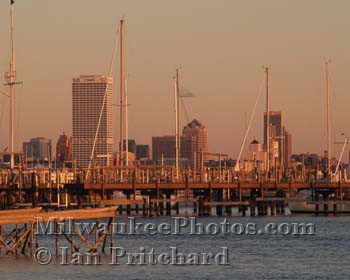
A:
(20, 230)
(155, 191)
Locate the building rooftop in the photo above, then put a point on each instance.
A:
(92, 79)
(194, 123)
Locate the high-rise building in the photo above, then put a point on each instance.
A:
(280, 140)
(142, 152)
(199, 132)
(88, 93)
(37, 149)
(275, 118)
(192, 143)
(63, 149)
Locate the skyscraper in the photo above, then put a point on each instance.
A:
(275, 118)
(88, 94)
(280, 139)
(192, 143)
(63, 149)
(199, 132)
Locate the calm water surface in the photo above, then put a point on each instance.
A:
(325, 255)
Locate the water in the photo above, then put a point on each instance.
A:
(321, 256)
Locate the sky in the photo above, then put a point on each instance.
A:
(220, 47)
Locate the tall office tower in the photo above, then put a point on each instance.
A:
(199, 132)
(192, 143)
(63, 149)
(280, 139)
(275, 124)
(88, 94)
(275, 137)
(37, 149)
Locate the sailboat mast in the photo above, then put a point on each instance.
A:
(11, 81)
(126, 126)
(267, 124)
(122, 93)
(13, 78)
(177, 123)
(328, 123)
(178, 117)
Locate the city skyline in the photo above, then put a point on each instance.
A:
(230, 91)
(174, 139)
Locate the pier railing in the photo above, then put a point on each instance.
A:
(213, 186)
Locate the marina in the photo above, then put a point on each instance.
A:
(265, 181)
(174, 140)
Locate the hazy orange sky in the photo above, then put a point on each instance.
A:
(220, 46)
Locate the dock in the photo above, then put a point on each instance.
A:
(156, 192)
(20, 229)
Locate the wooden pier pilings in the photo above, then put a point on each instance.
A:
(20, 230)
